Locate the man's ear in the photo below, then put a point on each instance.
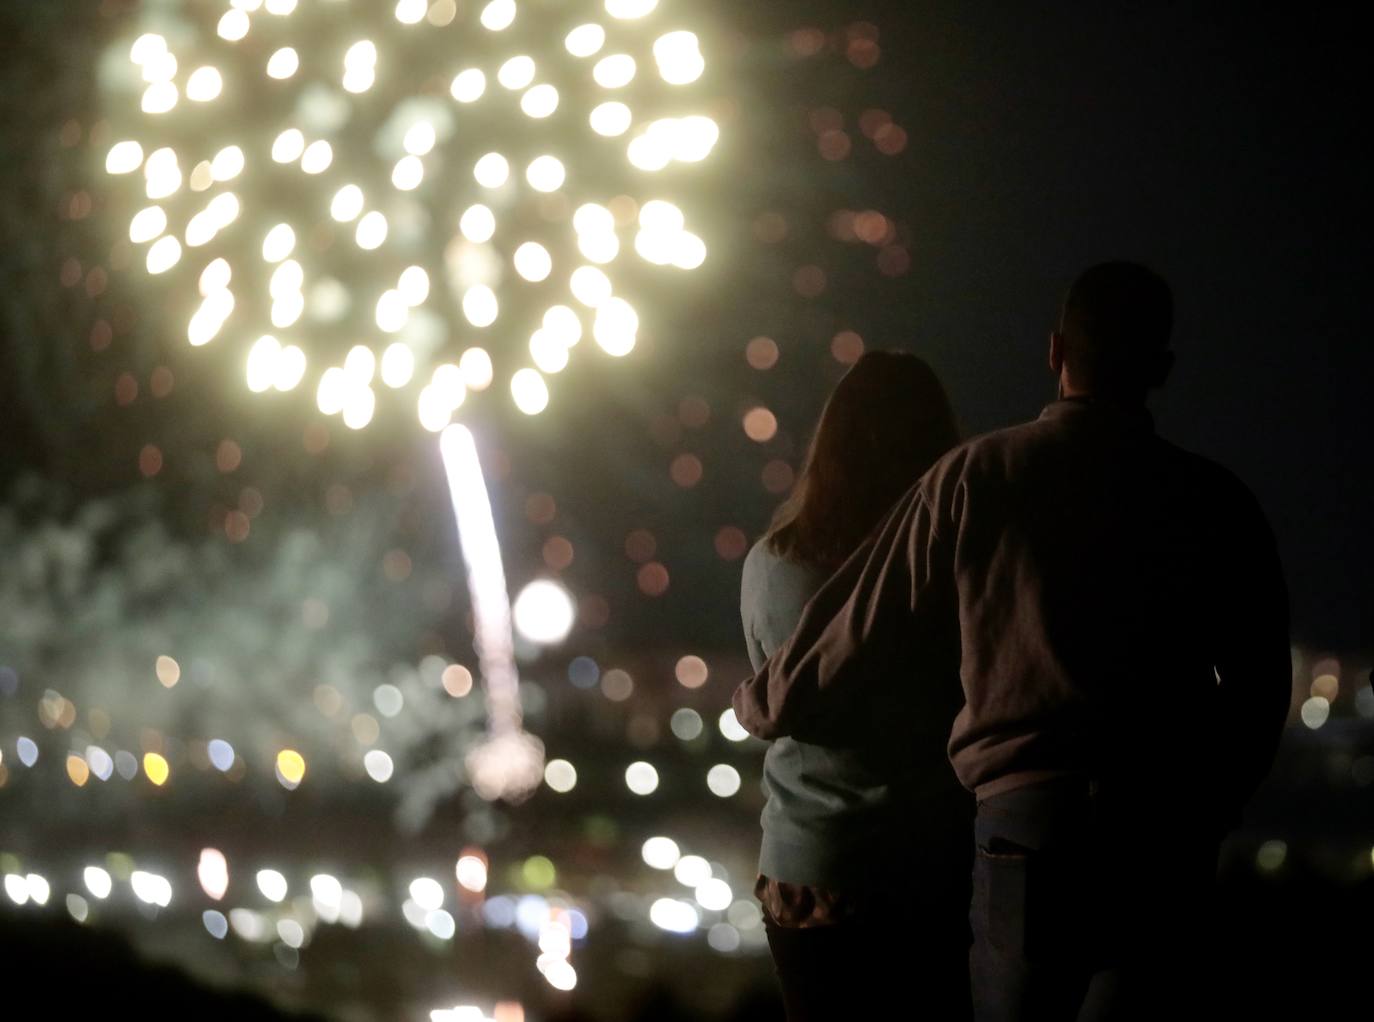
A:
(1056, 352)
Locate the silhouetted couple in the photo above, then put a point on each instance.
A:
(1081, 624)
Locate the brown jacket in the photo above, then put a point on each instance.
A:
(1073, 595)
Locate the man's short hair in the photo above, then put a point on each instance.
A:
(1116, 322)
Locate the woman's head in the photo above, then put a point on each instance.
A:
(887, 421)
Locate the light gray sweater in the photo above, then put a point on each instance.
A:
(827, 811)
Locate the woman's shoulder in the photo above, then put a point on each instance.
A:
(766, 566)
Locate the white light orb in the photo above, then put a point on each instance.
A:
(674, 915)
(723, 780)
(146, 46)
(599, 248)
(616, 326)
(151, 888)
(227, 164)
(290, 368)
(283, 63)
(533, 262)
(279, 243)
(371, 231)
(408, 173)
(650, 152)
(411, 12)
(678, 55)
(585, 40)
(689, 251)
(590, 286)
(205, 84)
(317, 157)
(491, 171)
(593, 218)
(427, 892)
(529, 391)
(378, 765)
(480, 305)
(543, 612)
(360, 364)
(693, 138)
(562, 325)
(540, 101)
(468, 85)
(159, 67)
(448, 385)
(332, 389)
(546, 174)
(359, 79)
(419, 138)
(124, 157)
(549, 356)
(692, 871)
(164, 254)
(288, 146)
(359, 405)
(471, 871)
(477, 224)
(362, 54)
(661, 217)
(262, 363)
(731, 728)
(147, 224)
(413, 285)
(714, 895)
(434, 412)
(272, 885)
(660, 853)
(97, 881)
(516, 73)
(641, 778)
(215, 276)
(392, 311)
(346, 204)
(611, 119)
(476, 367)
(615, 71)
(498, 15)
(560, 775)
(233, 26)
(281, 7)
(398, 365)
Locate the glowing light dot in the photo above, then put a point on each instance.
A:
(560, 775)
(723, 780)
(290, 369)
(221, 754)
(398, 365)
(561, 325)
(97, 881)
(346, 204)
(392, 311)
(590, 286)
(533, 262)
(290, 768)
(286, 279)
(359, 79)
(661, 217)
(413, 285)
(262, 363)
(471, 871)
(156, 768)
(151, 888)
(1315, 712)
(213, 873)
(371, 231)
(491, 171)
(692, 871)
(611, 119)
(689, 251)
(317, 157)
(549, 355)
(204, 84)
(164, 254)
(641, 778)
(468, 85)
(529, 391)
(543, 612)
(283, 63)
(714, 895)
(419, 138)
(498, 15)
(674, 915)
(679, 59)
(516, 73)
(362, 54)
(359, 406)
(146, 46)
(147, 224)
(476, 367)
(545, 174)
(408, 173)
(159, 98)
(660, 853)
(288, 146)
(585, 40)
(332, 391)
(731, 728)
(477, 224)
(227, 164)
(427, 892)
(278, 243)
(272, 884)
(411, 12)
(616, 326)
(233, 26)
(480, 305)
(434, 412)
(378, 765)
(615, 71)
(124, 157)
(168, 671)
(540, 101)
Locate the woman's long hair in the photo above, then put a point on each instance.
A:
(888, 420)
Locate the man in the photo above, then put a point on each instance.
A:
(1120, 620)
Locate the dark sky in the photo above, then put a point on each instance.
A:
(1220, 148)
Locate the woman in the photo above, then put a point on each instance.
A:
(864, 866)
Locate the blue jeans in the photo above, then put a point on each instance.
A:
(1088, 906)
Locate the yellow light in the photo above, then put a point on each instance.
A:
(360, 364)
(284, 63)
(679, 59)
(359, 79)
(346, 204)
(615, 327)
(419, 138)
(480, 305)
(491, 171)
(540, 101)
(468, 85)
(287, 309)
(562, 325)
(147, 224)
(215, 276)
(278, 243)
(286, 279)
(689, 251)
(317, 157)
(398, 365)
(392, 312)
(661, 217)
(145, 46)
(201, 229)
(411, 12)
(548, 354)
(290, 369)
(162, 174)
(611, 119)
(693, 138)
(227, 164)
(77, 770)
(159, 98)
(516, 73)
(233, 26)
(433, 411)
(156, 768)
(202, 176)
(650, 152)
(475, 365)
(160, 67)
(164, 254)
(362, 54)
(530, 392)
(408, 173)
(413, 285)
(359, 405)
(498, 15)
(477, 224)
(545, 174)
(532, 261)
(628, 9)
(585, 40)
(262, 363)
(599, 248)
(168, 671)
(224, 208)
(447, 382)
(592, 218)
(288, 146)
(124, 157)
(615, 71)
(371, 230)
(590, 286)
(204, 84)
(332, 389)
(290, 767)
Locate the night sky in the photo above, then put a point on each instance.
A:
(1218, 148)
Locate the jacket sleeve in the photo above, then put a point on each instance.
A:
(877, 609)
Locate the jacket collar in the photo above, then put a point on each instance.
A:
(1100, 410)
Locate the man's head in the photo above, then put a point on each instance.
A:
(1113, 335)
